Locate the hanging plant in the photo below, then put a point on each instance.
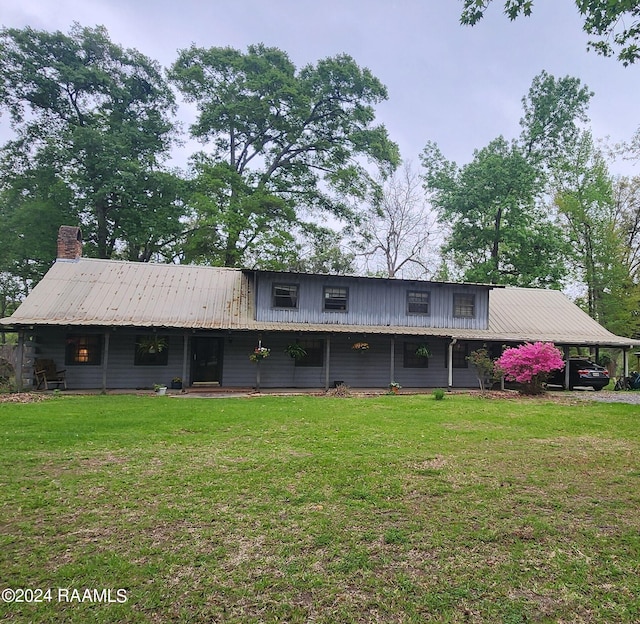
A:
(151, 344)
(295, 351)
(423, 351)
(360, 346)
(259, 353)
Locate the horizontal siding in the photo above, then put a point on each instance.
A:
(369, 369)
(370, 302)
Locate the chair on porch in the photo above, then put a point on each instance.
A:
(48, 376)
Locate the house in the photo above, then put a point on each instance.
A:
(117, 324)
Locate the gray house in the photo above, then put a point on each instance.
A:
(116, 324)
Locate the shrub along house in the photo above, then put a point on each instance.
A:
(117, 324)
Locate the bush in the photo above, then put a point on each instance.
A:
(530, 365)
(438, 394)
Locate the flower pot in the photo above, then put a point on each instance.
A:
(176, 385)
(162, 390)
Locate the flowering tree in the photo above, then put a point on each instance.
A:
(530, 364)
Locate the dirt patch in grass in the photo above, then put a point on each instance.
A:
(23, 397)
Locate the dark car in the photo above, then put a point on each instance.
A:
(581, 373)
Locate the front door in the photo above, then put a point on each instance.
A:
(206, 363)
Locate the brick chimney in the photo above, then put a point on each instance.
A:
(69, 243)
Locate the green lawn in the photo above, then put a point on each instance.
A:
(313, 509)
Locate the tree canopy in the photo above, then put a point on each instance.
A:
(292, 142)
(99, 119)
(613, 24)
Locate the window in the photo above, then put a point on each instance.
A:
(83, 350)
(410, 359)
(315, 353)
(459, 355)
(151, 350)
(417, 302)
(285, 296)
(335, 298)
(464, 306)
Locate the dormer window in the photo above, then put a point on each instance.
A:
(285, 296)
(336, 298)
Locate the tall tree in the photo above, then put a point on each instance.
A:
(497, 234)
(395, 235)
(614, 24)
(554, 111)
(292, 142)
(101, 116)
(588, 211)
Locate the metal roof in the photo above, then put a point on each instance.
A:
(112, 293)
(116, 293)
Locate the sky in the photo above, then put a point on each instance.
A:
(458, 86)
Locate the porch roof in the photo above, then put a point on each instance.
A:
(96, 293)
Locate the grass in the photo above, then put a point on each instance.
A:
(308, 509)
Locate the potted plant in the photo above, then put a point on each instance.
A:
(160, 389)
(394, 387)
(295, 351)
(423, 351)
(176, 383)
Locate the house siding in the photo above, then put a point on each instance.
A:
(369, 369)
(370, 302)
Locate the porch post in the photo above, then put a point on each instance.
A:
(20, 361)
(185, 351)
(392, 367)
(327, 363)
(625, 362)
(450, 362)
(105, 360)
(567, 372)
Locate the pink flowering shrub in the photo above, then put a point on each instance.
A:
(530, 364)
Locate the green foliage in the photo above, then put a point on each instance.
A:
(295, 351)
(615, 25)
(553, 110)
(291, 141)
(438, 394)
(600, 236)
(483, 365)
(497, 235)
(96, 120)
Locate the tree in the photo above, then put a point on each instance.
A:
(101, 118)
(601, 233)
(497, 234)
(530, 365)
(395, 234)
(484, 366)
(626, 194)
(614, 24)
(500, 230)
(292, 142)
(553, 111)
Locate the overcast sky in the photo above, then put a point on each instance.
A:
(458, 86)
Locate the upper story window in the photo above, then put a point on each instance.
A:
(464, 305)
(285, 296)
(83, 349)
(417, 302)
(336, 298)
